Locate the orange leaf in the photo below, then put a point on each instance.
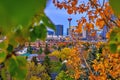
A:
(100, 23)
(70, 11)
(79, 28)
(74, 2)
(91, 25)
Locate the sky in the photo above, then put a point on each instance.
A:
(60, 16)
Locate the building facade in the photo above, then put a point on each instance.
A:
(59, 30)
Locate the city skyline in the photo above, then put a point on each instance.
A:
(58, 32)
(60, 16)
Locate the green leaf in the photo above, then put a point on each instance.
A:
(15, 12)
(115, 6)
(43, 31)
(19, 15)
(22, 67)
(2, 45)
(2, 56)
(12, 40)
(3, 71)
(39, 32)
(10, 48)
(118, 37)
(12, 69)
(17, 67)
(113, 46)
(113, 35)
(48, 22)
(32, 36)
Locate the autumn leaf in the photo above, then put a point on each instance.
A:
(100, 23)
(70, 11)
(91, 26)
(74, 2)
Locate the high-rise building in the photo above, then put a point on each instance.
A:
(59, 30)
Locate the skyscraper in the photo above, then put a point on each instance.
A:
(59, 30)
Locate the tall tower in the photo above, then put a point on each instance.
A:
(69, 20)
(68, 30)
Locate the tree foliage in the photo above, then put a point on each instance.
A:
(20, 22)
(37, 72)
(63, 76)
(71, 56)
(95, 13)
